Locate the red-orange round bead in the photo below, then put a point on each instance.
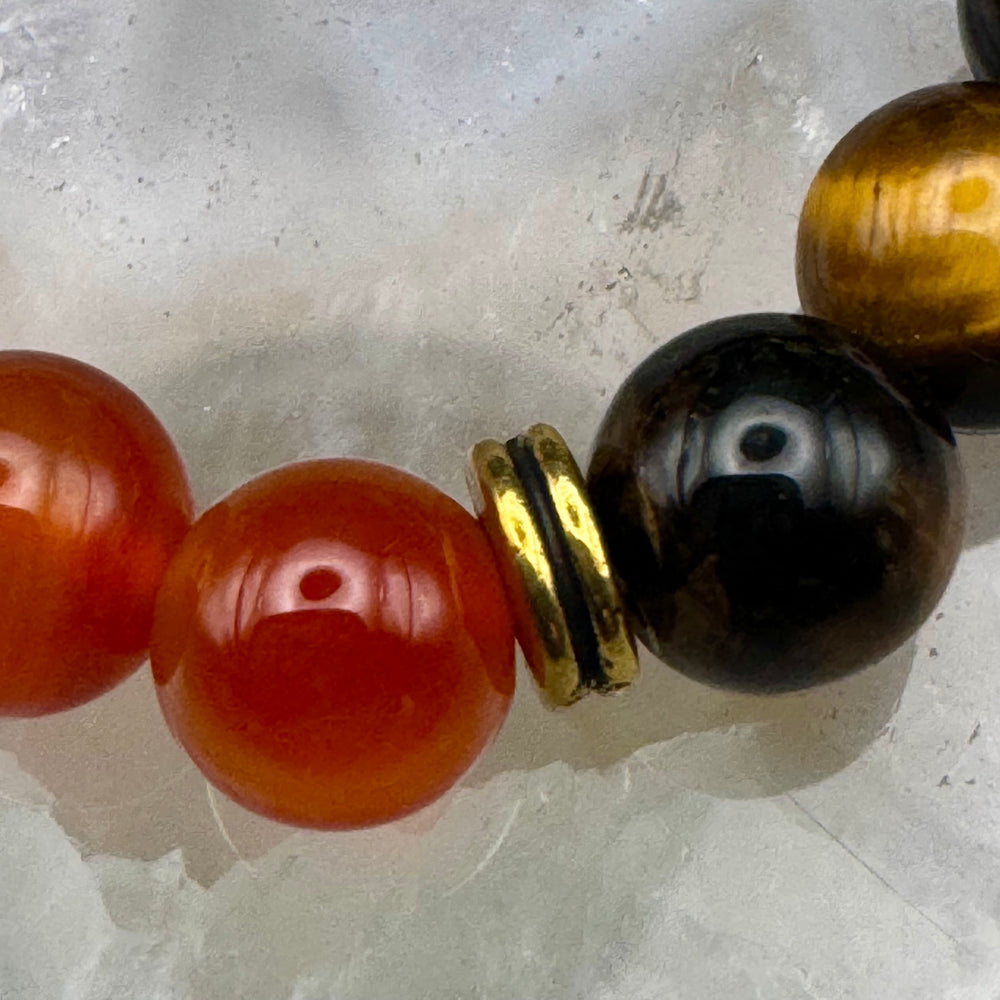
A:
(93, 503)
(332, 645)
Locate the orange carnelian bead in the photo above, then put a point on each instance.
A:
(93, 503)
(332, 645)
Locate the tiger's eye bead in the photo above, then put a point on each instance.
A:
(94, 501)
(899, 240)
(777, 512)
(332, 645)
(979, 22)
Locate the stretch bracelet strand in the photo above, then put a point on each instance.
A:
(772, 501)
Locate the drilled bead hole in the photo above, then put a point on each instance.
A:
(319, 584)
(762, 442)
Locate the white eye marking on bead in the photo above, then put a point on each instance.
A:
(283, 585)
(769, 436)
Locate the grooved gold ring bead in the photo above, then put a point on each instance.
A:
(570, 621)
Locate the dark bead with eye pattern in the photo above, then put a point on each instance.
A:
(777, 510)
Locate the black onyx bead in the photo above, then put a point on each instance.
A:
(777, 511)
(979, 21)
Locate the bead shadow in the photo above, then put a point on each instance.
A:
(980, 454)
(725, 743)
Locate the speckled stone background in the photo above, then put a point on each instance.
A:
(390, 228)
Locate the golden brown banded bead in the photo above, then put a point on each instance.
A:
(899, 240)
(531, 499)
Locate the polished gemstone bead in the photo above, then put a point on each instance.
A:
(332, 645)
(979, 21)
(93, 503)
(899, 240)
(777, 511)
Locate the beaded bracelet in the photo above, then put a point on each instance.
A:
(773, 501)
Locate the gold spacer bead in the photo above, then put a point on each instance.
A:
(569, 617)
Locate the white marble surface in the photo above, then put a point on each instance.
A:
(391, 228)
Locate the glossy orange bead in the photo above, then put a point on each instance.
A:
(332, 645)
(93, 503)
